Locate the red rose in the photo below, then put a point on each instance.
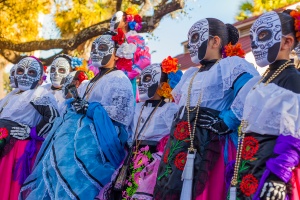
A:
(3, 133)
(180, 160)
(249, 185)
(250, 147)
(138, 19)
(124, 64)
(120, 37)
(182, 131)
(82, 76)
(166, 155)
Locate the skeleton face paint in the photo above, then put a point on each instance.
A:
(68, 80)
(28, 73)
(102, 50)
(197, 40)
(59, 69)
(150, 79)
(115, 20)
(266, 36)
(12, 82)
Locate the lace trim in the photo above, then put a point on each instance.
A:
(43, 101)
(51, 194)
(98, 144)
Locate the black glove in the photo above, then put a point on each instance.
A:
(80, 106)
(21, 132)
(211, 122)
(274, 188)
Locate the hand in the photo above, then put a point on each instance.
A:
(211, 122)
(273, 190)
(80, 106)
(21, 132)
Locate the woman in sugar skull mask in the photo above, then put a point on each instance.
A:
(61, 66)
(151, 126)
(269, 148)
(90, 137)
(25, 117)
(203, 133)
(130, 22)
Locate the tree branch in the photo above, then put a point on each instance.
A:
(152, 22)
(118, 5)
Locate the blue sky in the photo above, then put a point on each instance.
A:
(171, 32)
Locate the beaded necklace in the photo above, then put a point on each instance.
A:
(244, 124)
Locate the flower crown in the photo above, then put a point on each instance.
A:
(125, 52)
(133, 18)
(296, 15)
(233, 50)
(171, 67)
(83, 67)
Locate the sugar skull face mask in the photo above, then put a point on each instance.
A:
(12, 82)
(115, 20)
(197, 40)
(59, 69)
(102, 50)
(28, 73)
(150, 79)
(265, 35)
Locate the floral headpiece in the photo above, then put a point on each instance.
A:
(133, 18)
(125, 52)
(171, 67)
(83, 67)
(233, 50)
(296, 15)
(76, 62)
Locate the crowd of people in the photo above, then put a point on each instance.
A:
(215, 132)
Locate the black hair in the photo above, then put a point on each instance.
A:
(287, 24)
(164, 77)
(227, 32)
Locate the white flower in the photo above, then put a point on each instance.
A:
(126, 50)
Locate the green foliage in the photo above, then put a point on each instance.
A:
(256, 7)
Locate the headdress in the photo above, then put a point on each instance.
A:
(133, 18)
(296, 15)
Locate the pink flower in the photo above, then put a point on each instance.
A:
(140, 160)
(129, 184)
(95, 70)
(138, 26)
(136, 177)
(129, 18)
(146, 148)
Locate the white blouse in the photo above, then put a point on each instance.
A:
(114, 92)
(17, 106)
(58, 95)
(160, 123)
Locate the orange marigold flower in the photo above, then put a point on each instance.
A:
(132, 10)
(234, 50)
(296, 15)
(165, 91)
(169, 65)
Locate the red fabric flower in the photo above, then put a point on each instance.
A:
(169, 65)
(166, 155)
(249, 185)
(250, 147)
(82, 76)
(138, 19)
(182, 130)
(45, 69)
(180, 160)
(3, 133)
(120, 37)
(124, 64)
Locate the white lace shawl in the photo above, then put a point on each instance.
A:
(214, 84)
(269, 109)
(17, 107)
(58, 95)
(114, 92)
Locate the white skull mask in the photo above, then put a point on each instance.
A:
(265, 35)
(59, 69)
(197, 40)
(67, 81)
(12, 82)
(102, 50)
(28, 73)
(115, 20)
(150, 79)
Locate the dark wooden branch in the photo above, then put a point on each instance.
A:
(151, 22)
(118, 5)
